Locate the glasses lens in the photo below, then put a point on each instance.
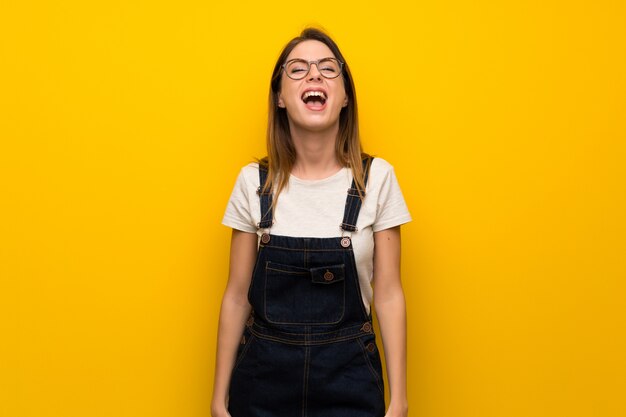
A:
(329, 67)
(297, 69)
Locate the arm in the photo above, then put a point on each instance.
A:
(391, 312)
(233, 314)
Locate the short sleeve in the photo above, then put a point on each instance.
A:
(391, 208)
(238, 214)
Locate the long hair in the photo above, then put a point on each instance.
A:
(281, 153)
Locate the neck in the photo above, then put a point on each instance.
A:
(315, 153)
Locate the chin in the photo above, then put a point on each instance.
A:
(314, 121)
(319, 127)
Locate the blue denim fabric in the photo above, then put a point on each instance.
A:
(308, 349)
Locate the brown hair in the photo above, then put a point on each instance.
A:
(281, 153)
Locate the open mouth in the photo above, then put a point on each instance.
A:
(314, 100)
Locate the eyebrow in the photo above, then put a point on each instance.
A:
(302, 59)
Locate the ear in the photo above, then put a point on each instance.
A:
(345, 102)
(281, 103)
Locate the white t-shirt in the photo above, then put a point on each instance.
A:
(314, 208)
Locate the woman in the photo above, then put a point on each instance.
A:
(295, 333)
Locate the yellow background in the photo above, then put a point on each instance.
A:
(123, 126)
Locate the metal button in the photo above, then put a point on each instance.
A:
(250, 321)
(370, 347)
(345, 242)
(328, 276)
(367, 327)
(265, 238)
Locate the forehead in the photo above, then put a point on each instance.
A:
(310, 50)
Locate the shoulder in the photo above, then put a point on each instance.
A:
(380, 165)
(391, 209)
(251, 168)
(249, 174)
(380, 171)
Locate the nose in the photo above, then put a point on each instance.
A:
(314, 73)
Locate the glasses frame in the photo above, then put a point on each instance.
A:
(309, 63)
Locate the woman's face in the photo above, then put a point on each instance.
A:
(314, 102)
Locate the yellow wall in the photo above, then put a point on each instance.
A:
(123, 125)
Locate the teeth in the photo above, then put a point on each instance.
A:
(313, 94)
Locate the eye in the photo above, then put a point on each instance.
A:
(329, 66)
(295, 67)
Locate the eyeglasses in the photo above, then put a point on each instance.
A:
(297, 69)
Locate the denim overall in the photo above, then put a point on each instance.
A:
(308, 348)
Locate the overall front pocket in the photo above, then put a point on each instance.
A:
(295, 295)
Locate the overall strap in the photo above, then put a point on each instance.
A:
(266, 201)
(353, 201)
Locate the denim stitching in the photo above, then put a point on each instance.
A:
(287, 272)
(343, 305)
(244, 351)
(308, 250)
(266, 202)
(353, 201)
(254, 272)
(305, 338)
(305, 343)
(306, 257)
(351, 328)
(377, 377)
(305, 385)
(348, 212)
